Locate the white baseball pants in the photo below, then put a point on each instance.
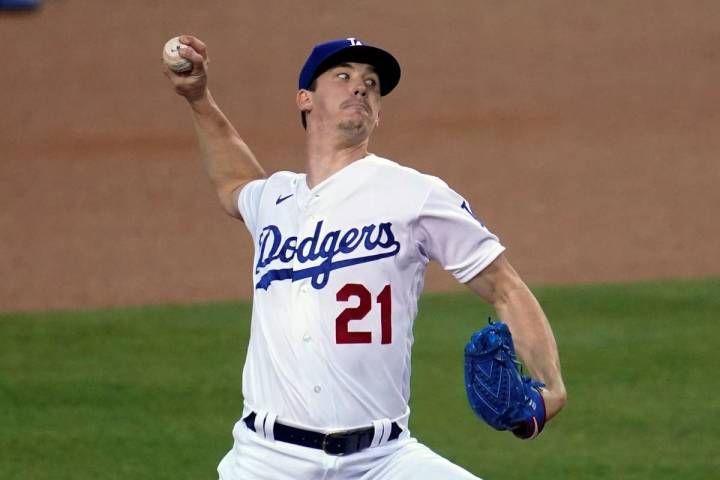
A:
(256, 458)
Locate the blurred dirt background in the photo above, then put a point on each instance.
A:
(585, 134)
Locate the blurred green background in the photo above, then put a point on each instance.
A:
(152, 393)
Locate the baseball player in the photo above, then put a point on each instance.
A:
(340, 254)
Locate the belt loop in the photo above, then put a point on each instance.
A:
(377, 437)
(270, 426)
(387, 428)
(260, 417)
(382, 432)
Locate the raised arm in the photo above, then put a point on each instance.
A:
(228, 160)
(500, 285)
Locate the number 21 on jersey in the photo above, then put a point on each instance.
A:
(356, 290)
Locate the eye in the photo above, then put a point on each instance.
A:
(371, 82)
(343, 76)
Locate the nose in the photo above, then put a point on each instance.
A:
(360, 89)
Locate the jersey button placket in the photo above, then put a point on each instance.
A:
(299, 288)
(307, 298)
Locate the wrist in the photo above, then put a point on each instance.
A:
(555, 399)
(201, 102)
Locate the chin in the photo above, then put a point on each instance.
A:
(355, 126)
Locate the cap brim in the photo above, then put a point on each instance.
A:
(387, 68)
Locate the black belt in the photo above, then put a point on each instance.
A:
(343, 442)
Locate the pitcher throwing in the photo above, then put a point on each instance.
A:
(340, 255)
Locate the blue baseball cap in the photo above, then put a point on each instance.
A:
(326, 55)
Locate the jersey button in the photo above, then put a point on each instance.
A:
(303, 289)
(307, 338)
(317, 389)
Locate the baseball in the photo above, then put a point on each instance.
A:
(172, 58)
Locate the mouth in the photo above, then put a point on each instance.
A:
(356, 106)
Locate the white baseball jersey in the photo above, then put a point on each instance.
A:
(338, 270)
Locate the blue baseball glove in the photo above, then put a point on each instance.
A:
(495, 387)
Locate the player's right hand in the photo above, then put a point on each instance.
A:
(192, 84)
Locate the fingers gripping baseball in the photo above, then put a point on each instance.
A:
(192, 83)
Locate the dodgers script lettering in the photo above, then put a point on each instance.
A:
(376, 241)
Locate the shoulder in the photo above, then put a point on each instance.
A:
(252, 193)
(431, 193)
(278, 180)
(282, 177)
(394, 170)
(265, 191)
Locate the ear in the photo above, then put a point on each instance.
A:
(303, 99)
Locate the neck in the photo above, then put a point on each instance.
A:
(326, 158)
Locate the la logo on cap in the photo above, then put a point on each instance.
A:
(349, 49)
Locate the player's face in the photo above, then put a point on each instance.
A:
(348, 97)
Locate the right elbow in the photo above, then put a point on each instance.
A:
(229, 205)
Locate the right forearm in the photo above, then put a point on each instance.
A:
(227, 159)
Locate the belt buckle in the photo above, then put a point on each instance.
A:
(342, 436)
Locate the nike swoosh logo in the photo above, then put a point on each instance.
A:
(281, 199)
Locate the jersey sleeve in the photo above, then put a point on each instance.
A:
(450, 233)
(248, 203)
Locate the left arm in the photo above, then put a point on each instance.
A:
(500, 285)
